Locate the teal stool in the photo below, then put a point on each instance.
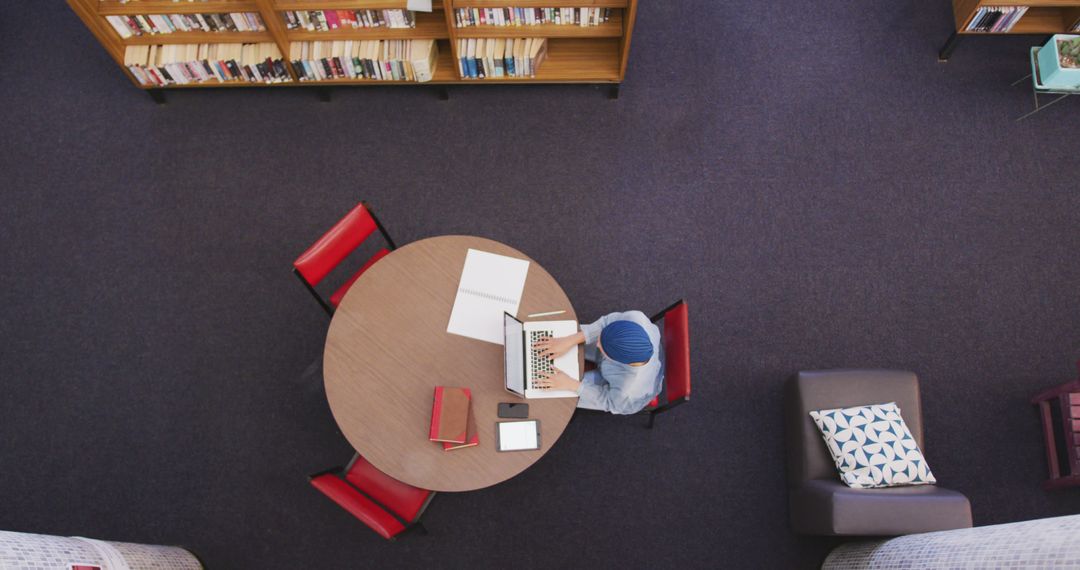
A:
(1037, 87)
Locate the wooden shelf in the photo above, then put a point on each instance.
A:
(539, 3)
(1036, 21)
(200, 38)
(613, 28)
(445, 72)
(572, 61)
(428, 27)
(346, 4)
(116, 8)
(594, 54)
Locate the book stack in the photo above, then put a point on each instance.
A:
(183, 64)
(487, 58)
(452, 421)
(466, 17)
(377, 60)
(139, 24)
(996, 19)
(324, 20)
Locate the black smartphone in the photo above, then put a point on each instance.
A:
(513, 410)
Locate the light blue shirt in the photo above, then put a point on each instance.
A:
(616, 387)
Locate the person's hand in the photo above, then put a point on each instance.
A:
(556, 347)
(558, 380)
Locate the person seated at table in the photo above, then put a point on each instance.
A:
(626, 350)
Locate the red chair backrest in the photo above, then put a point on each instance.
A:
(676, 338)
(335, 245)
(360, 506)
(404, 499)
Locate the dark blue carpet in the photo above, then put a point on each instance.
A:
(812, 180)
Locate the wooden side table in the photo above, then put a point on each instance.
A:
(1059, 408)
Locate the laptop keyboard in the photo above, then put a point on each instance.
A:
(538, 364)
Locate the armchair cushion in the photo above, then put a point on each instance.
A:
(828, 507)
(872, 446)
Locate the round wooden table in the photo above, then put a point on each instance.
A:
(388, 348)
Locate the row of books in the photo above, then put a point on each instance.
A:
(139, 24)
(480, 58)
(996, 19)
(323, 20)
(467, 17)
(182, 64)
(377, 60)
(453, 423)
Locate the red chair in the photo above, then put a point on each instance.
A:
(385, 504)
(334, 246)
(675, 336)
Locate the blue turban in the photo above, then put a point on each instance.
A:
(626, 342)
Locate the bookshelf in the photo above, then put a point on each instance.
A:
(576, 54)
(1043, 17)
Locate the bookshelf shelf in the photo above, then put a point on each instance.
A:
(428, 27)
(540, 3)
(345, 5)
(572, 61)
(199, 38)
(610, 29)
(1041, 18)
(116, 8)
(575, 54)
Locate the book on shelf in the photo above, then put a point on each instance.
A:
(377, 60)
(996, 19)
(489, 58)
(1076, 27)
(450, 415)
(515, 16)
(139, 24)
(325, 20)
(183, 64)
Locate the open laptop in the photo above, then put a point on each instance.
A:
(522, 363)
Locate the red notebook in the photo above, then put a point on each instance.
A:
(471, 437)
(450, 415)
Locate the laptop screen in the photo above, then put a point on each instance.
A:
(513, 356)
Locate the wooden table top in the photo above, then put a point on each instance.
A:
(388, 348)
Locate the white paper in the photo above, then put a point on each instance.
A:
(490, 285)
(515, 436)
(418, 5)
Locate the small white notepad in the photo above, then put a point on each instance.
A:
(490, 285)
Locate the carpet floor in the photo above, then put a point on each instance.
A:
(821, 190)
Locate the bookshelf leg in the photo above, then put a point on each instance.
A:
(948, 48)
(157, 95)
(324, 94)
(444, 93)
(613, 92)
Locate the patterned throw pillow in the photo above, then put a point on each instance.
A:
(872, 447)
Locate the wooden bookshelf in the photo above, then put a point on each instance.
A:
(576, 54)
(1043, 17)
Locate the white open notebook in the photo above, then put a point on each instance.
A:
(490, 285)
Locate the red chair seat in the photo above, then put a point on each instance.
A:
(338, 295)
(404, 499)
(360, 506)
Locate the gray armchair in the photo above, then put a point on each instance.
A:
(819, 502)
